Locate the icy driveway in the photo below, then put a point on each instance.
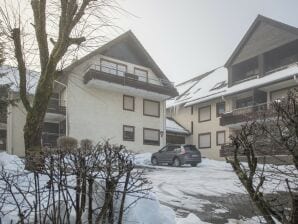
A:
(211, 191)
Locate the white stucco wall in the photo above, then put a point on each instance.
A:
(184, 117)
(16, 118)
(98, 114)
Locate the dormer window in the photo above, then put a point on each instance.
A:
(219, 85)
(112, 67)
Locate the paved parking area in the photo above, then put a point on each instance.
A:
(211, 191)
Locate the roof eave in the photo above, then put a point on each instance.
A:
(251, 29)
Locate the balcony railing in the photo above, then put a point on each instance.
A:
(111, 75)
(56, 106)
(3, 118)
(130, 76)
(246, 114)
(50, 139)
(262, 148)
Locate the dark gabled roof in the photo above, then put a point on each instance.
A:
(251, 30)
(123, 37)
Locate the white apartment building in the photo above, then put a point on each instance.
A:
(115, 93)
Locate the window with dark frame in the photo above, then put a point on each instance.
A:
(113, 68)
(128, 133)
(220, 137)
(151, 136)
(128, 103)
(204, 140)
(244, 102)
(204, 113)
(220, 108)
(191, 127)
(142, 74)
(151, 108)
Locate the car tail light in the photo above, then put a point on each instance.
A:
(182, 151)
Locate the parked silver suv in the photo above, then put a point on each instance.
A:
(177, 155)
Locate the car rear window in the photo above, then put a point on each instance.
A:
(190, 148)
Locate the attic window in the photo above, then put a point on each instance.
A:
(219, 85)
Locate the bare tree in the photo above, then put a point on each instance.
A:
(45, 33)
(272, 188)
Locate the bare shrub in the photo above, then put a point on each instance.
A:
(272, 188)
(86, 184)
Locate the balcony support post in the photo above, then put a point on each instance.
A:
(261, 64)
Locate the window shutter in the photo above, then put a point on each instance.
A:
(205, 141)
(151, 108)
(205, 114)
(220, 138)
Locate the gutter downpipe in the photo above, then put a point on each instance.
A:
(66, 104)
(295, 78)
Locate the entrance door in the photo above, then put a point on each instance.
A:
(175, 139)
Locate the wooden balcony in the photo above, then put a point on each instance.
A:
(50, 139)
(263, 148)
(246, 114)
(3, 118)
(55, 107)
(102, 73)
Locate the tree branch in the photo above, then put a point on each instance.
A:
(76, 41)
(16, 36)
(39, 11)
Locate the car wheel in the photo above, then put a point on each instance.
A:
(176, 162)
(154, 161)
(193, 164)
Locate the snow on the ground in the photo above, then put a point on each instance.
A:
(180, 188)
(149, 211)
(188, 189)
(144, 211)
(210, 177)
(10, 162)
(190, 219)
(253, 220)
(143, 159)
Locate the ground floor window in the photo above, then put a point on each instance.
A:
(220, 137)
(151, 136)
(128, 133)
(205, 140)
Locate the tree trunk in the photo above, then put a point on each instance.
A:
(294, 216)
(34, 122)
(121, 212)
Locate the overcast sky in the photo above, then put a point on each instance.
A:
(190, 37)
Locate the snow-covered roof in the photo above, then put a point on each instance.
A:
(275, 76)
(214, 85)
(210, 86)
(173, 126)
